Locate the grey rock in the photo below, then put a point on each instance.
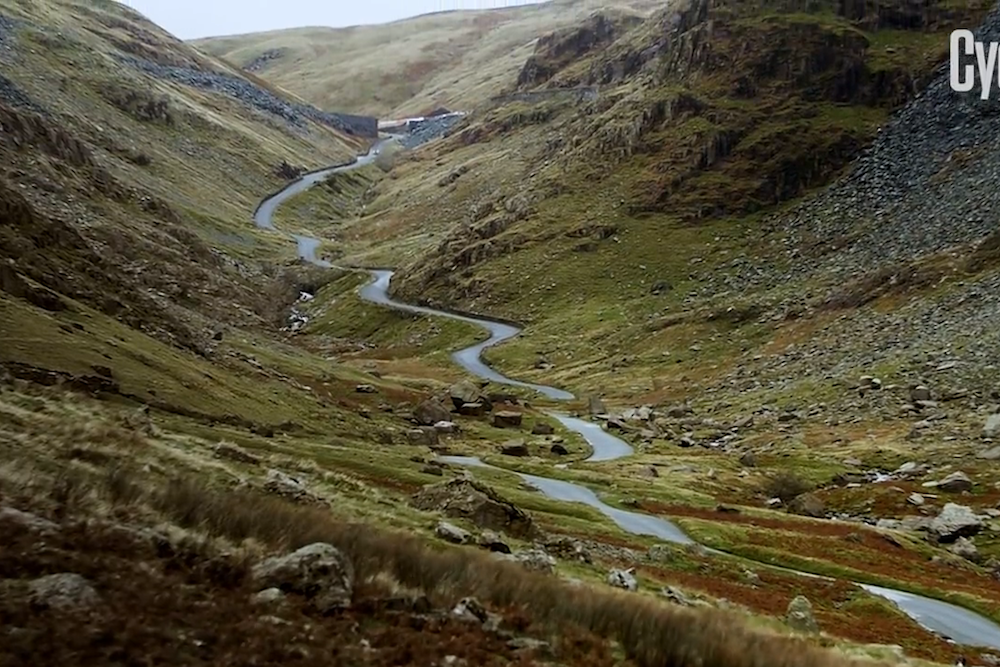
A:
(286, 486)
(28, 521)
(799, 615)
(318, 571)
(964, 548)
(514, 447)
(956, 482)
(676, 596)
(991, 429)
(426, 436)
(430, 412)
(536, 560)
(63, 591)
(268, 597)
(624, 579)
(447, 427)
(955, 521)
(542, 428)
(506, 419)
(452, 533)
(470, 609)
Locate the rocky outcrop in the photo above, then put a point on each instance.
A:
(556, 50)
(468, 499)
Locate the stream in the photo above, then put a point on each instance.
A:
(955, 623)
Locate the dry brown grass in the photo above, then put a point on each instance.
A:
(651, 632)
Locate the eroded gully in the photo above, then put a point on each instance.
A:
(950, 621)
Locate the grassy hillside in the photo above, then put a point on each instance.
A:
(163, 429)
(455, 59)
(645, 198)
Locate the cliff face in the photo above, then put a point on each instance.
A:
(556, 50)
(707, 110)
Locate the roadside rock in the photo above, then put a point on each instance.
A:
(63, 591)
(465, 393)
(318, 571)
(452, 533)
(748, 460)
(507, 419)
(956, 482)
(624, 579)
(366, 389)
(514, 448)
(430, 412)
(955, 521)
(799, 615)
(596, 406)
(542, 428)
(468, 499)
(559, 449)
(915, 499)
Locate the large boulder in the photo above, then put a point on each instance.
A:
(507, 419)
(468, 499)
(956, 482)
(465, 393)
(514, 448)
(800, 615)
(430, 412)
(955, 521)
(318, 571)
(66, 590)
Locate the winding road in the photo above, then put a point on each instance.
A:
(958, 624)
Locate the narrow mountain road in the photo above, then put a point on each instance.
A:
(950, 621)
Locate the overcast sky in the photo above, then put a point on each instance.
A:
(190, 19)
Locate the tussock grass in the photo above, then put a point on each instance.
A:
(651, 632)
